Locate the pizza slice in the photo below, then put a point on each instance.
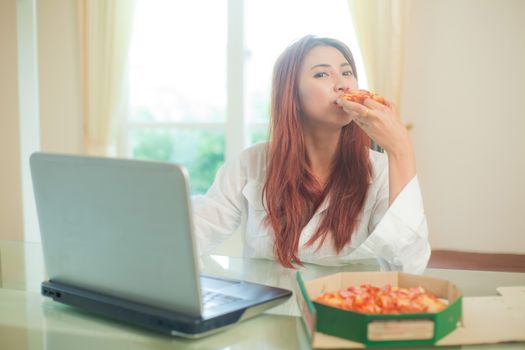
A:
(360, 96)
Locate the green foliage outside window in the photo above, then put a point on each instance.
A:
(259, 135)
(200, 151)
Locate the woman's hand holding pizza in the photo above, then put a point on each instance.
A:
(378, 118)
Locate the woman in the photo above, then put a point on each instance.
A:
(315, 192)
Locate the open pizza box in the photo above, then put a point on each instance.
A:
(466, 320)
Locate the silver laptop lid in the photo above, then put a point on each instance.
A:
(120, 227)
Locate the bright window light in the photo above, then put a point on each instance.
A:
(178, 74)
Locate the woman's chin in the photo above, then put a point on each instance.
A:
(346, 119)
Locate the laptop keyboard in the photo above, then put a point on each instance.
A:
(214, 299)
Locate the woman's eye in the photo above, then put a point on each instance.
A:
(320, 75)
(348, 73)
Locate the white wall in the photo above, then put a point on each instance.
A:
(60, 97)
(60, 76)
(464, 92)
(11, 226)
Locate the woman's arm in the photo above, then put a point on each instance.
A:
(401, 169)
(398, 232)
(383, 124)
(218, 213)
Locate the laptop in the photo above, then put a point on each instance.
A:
(118, 240)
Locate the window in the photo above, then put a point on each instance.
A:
(179, 76)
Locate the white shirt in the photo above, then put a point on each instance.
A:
(397, 236)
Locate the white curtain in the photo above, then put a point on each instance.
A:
(380, 27)
(105, 27)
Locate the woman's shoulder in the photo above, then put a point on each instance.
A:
(253, 160)
(256, 150)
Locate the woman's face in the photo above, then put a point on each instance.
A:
(324, 75)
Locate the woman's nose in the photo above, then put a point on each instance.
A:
(341, 85)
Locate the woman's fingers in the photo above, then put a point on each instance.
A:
(365, 119)
(369, 111)
(370, 115)
(379, 121)
(363, 124)
(390, 107)
(351, 108)
(371, 103)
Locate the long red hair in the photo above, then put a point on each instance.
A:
(291, 193)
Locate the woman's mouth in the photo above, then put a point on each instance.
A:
(337, 105)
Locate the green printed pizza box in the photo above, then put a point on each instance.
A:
(399, 329)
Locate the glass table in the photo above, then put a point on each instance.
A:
(30, 321)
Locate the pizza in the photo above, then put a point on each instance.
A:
(386, 300)
(360, 96)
